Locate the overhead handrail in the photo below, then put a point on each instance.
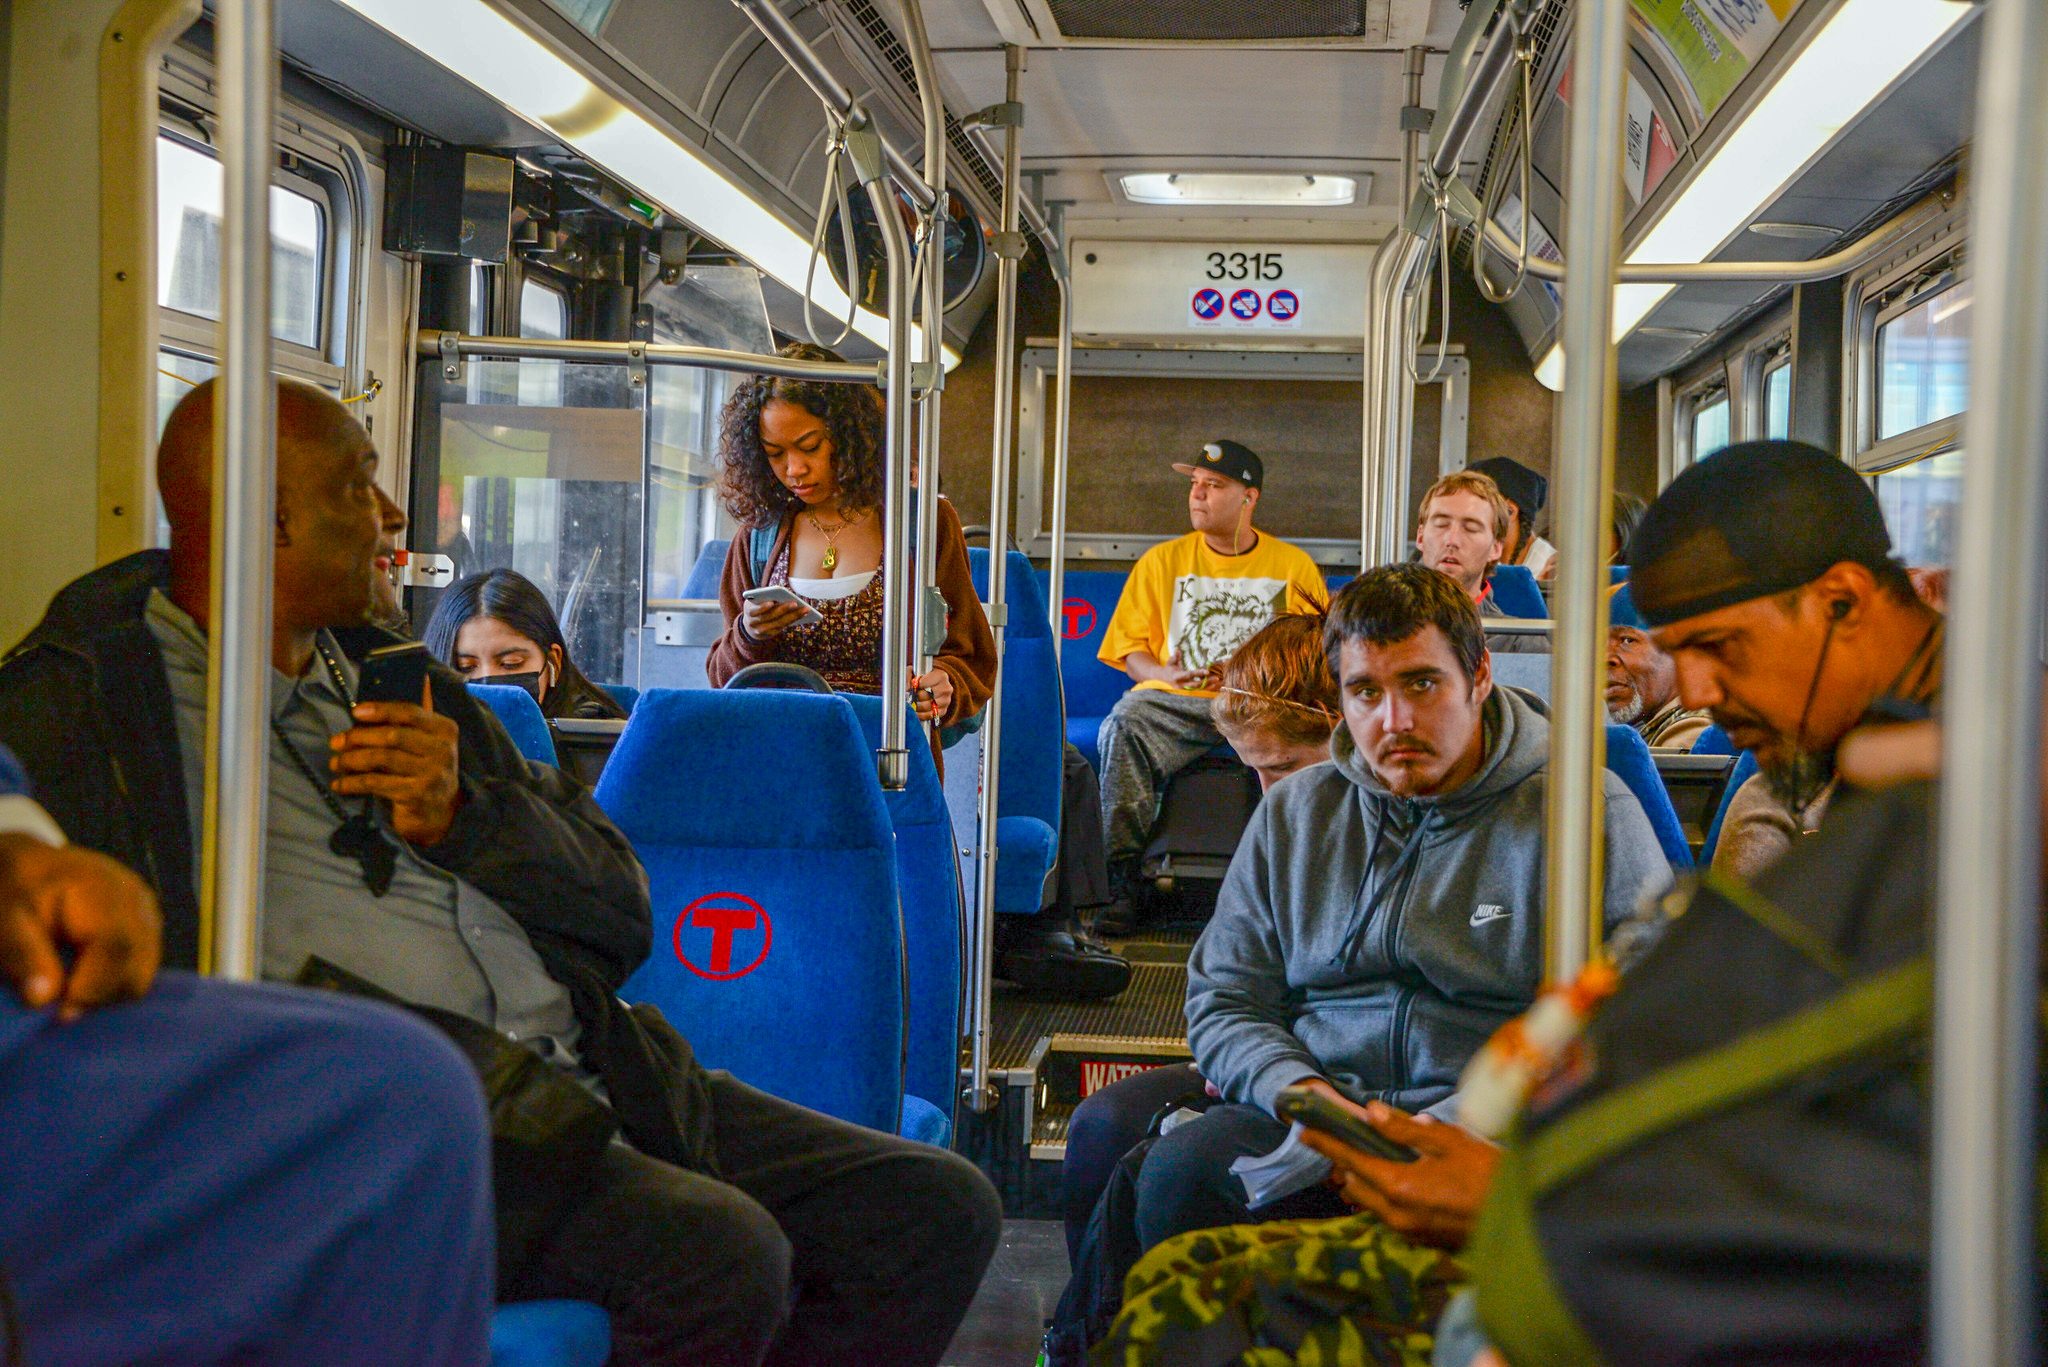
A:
(980, 1096)
(1987, 933)
(452, 346)
(1574, 828)
(804, 60)
(833, 194)
(1851, 257)
(238, 633)
(1525, 60)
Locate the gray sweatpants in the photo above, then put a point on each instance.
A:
(1148, 737)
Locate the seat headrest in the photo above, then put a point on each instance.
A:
(1028, 618)
(756, 769)
(522, 719)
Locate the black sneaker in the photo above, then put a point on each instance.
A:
(1057, 962)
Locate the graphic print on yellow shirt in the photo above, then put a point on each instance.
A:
(1213, 617)
(1186, 604)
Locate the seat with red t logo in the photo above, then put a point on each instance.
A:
(778, 945)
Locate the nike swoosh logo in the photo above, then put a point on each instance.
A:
(1486, 915)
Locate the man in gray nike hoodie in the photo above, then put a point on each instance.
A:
(1383, 914)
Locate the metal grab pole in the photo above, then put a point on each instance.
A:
(1987, 935)
(932, 280)
(1575, 825)
(980, 1096)
(244, 506)
(1397, 387)
(452, 345)
(1371, 492)
(1063, 394)
(899, 587)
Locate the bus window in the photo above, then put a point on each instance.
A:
(543, 316)
(1922, 503)
(1778, 400)
(1710, 426)
(1923, 362)
(188, 244)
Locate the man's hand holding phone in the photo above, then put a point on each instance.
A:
(401, 751)
(1435, 1198)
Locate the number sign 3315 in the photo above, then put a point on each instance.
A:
(1244, 266)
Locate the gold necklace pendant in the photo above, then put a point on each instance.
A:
(830, 559)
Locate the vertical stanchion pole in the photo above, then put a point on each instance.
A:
(244, 506)
(899, 586)
(1575, 825)
(1010, 254)
(1987, 938)
(1063, 395)
(932, 279)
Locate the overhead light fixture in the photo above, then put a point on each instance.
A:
(1858, 53)
(504, 61)
(1245, 189)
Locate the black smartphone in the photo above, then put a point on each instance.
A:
(394, 673)
(1318, 1112)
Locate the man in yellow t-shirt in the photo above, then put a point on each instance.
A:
(1189, 604)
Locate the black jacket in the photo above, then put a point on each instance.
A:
(85, 706)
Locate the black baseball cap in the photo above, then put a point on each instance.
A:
(1231, 459)
(1518, 484)
(1754, 519)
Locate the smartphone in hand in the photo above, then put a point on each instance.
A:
(1318, 1112)
(394, 673)
(783, 594)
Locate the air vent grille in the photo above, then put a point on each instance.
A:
(890, 49)
(1181, 21)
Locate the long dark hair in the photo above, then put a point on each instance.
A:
(515, 600)
(852, 414)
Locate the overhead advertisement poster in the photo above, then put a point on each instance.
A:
(1714, 42)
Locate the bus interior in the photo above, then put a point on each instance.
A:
(534, 245)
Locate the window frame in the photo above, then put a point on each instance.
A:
(317, 159)
(1933, 261)
(1691, 396)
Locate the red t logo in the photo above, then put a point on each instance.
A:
(1079, 615)
(724, 914)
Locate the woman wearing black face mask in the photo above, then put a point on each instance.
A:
(498, 628)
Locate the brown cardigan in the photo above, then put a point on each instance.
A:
(969, 650)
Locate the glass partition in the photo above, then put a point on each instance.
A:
(545, 480)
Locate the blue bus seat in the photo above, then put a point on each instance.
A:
(934, 931)
(1033, 759)
(778, 941)
(1617, 574)
(1745, 770)
(1530, 673)
(550, 1334)
(1091, 687)
(1515, 593)
(625, 695)
(523, 722)
(1713, 741)
(702, 581)
(1628, 756)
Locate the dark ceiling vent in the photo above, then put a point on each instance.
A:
(1211, 21)
(891, 50)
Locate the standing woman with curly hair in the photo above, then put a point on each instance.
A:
(806, 459)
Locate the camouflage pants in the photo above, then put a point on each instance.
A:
(1295, 1293)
